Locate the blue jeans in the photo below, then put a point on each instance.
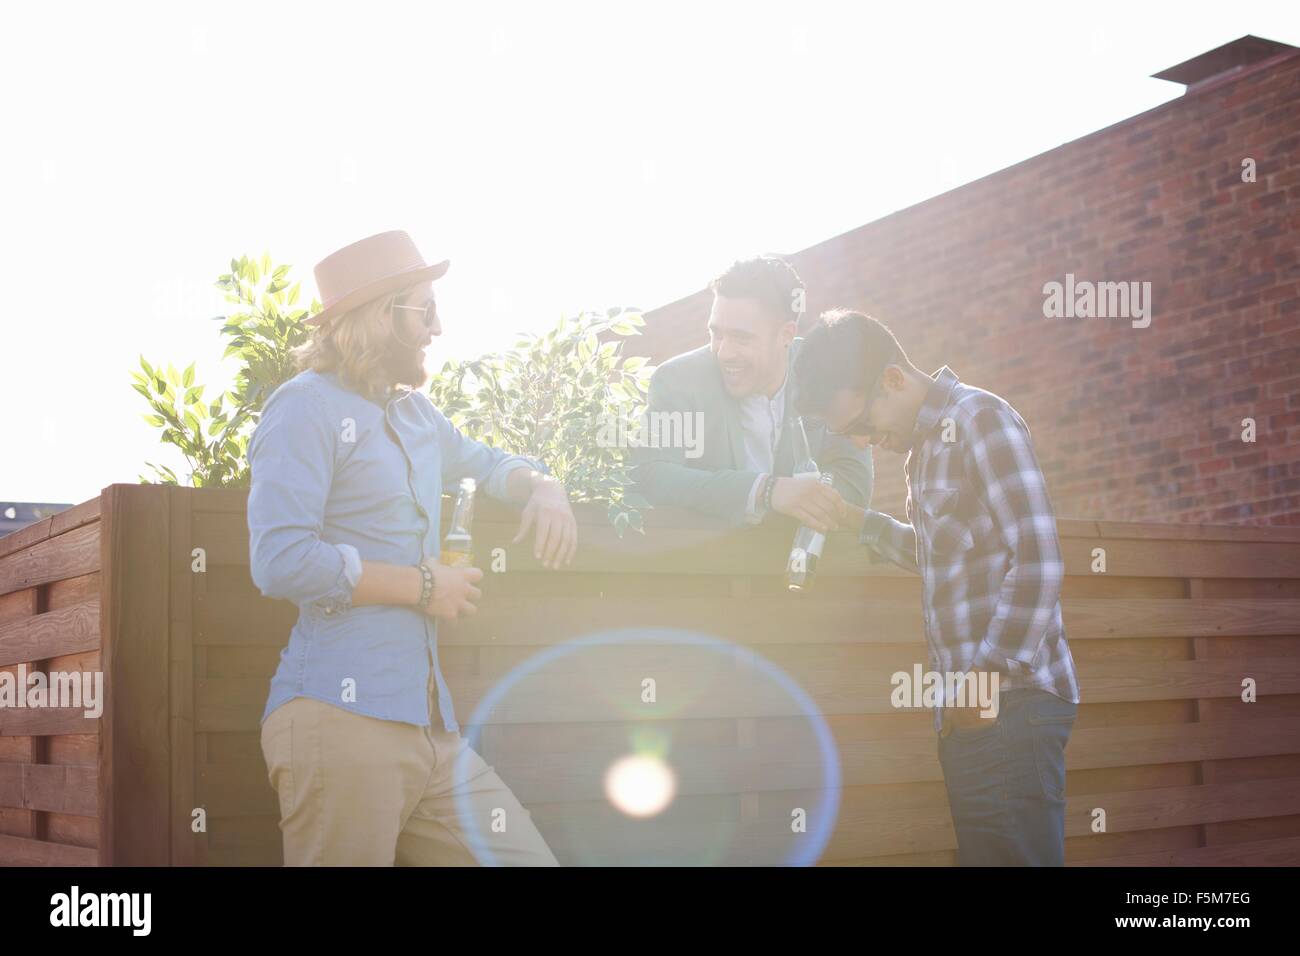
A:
(1006, 781)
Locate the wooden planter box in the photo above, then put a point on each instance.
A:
(1186, 771)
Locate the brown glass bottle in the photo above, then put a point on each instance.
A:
(458, 543)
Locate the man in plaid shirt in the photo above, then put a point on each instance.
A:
(982, 535)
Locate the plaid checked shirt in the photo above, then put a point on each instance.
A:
(983, 538)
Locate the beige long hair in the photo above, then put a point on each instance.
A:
(353, 345)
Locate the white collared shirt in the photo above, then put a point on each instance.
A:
(761, 421)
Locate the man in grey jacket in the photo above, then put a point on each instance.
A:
(740, 389)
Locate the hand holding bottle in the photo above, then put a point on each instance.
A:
(454, 592)
(810, 501)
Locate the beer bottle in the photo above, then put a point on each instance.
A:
(457, 544)
(807, 547)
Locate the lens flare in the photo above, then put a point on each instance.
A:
(613, 778)
(640, 785)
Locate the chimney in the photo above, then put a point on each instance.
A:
(1228, 61)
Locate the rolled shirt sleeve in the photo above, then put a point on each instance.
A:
(495, 487)
(889, 539)
(463, 457)
(291, 457)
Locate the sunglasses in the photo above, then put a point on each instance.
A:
(428, 311)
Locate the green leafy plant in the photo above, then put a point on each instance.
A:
(213, 436)
(550, 396)
(546, 398)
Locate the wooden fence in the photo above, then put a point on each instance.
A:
(745, 677)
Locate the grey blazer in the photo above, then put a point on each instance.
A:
(717, 482)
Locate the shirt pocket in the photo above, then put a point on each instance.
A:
(947, 531)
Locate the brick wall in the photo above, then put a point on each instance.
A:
(1129, 423)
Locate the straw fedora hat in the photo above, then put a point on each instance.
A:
(367, 269)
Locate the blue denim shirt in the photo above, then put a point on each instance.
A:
(338, 478)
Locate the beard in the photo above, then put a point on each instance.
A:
(404, 365)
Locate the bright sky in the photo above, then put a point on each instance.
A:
(563, 155)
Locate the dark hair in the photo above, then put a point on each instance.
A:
(844, 349)
(767, 280)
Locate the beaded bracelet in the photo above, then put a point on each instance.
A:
(426, 585)
(769, 485)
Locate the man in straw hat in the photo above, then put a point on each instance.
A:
(349, 461)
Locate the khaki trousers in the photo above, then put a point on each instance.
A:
(360, 791)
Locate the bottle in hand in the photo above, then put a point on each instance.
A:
(458, 544)
(807, 547)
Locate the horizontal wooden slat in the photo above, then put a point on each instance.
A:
(1282, 852)
(557, 697)
(70, 554)
(68, 630)
(33, 533)
(1087, 618)
(17, 851)
(1192, 532)
(76, 516)
(867, 828)
(46, 721)
(56, 524)
(1180, 680)
(763, 552)
(563, 694)
(790, 761)
(549, 774)
(233, 501)
(864, 829)
(1145, 558)
(60, 789)
(542, 620)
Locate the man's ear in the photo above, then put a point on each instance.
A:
(788, 332)
(894, 378)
